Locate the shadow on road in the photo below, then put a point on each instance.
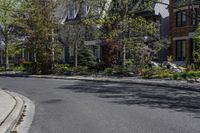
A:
(148, 96)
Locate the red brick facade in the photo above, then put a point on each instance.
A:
(182, 33)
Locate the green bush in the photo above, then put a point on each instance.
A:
(61, 68)
(29, 67)
(108, 71)
(86, 58)
(157, 72)
(18, 68)
(152, 72)
(119, 69)
(165, 74)
(82, 70)
(175, 76)
(35, 68)
(183, 69)
(193, 74)
(134, 66)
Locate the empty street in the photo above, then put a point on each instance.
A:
(73, 106)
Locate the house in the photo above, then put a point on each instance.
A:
(183, 22)
(159, 14)
(73, 12)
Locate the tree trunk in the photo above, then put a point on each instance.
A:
(7, 56)
(52, 50)
(52, 57)
(124, 55)
(35, 57)
(23, 57)
(1, 57)
(75, 55)
(63, 55)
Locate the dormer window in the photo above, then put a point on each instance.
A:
(194, 17)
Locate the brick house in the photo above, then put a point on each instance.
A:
(183, 22)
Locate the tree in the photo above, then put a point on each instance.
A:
(121, 26)
(196, 54)
(116, 28)
(39, 26)
(86, 58)
(72, 35)
(8, 14)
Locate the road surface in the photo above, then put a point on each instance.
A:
(67, 106)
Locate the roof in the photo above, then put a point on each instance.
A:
(185, 2)
(154, 8)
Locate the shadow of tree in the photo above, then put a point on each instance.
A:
(148, 96)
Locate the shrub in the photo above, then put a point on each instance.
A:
(119, 69)
(183, 69)
(30, 67)
(151, 72)
(157, 72)
(165, 74)
(175, 76)
(18, 68)
(191, 67)
(132, 65)
(108, 71)
(193, 74)
(183, 75)
(82, 70)
(61, 68)
(86, 58)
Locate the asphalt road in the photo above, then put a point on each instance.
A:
(64, 106)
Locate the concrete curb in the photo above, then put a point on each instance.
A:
(27, 116)
(14, 115)
(13, 122)
(183, 85)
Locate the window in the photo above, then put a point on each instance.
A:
(181, 19)
(180, 50)
(194, 17)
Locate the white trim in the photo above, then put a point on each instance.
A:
(180, 38)
(190, 35)
(185, 8)
(92, 43)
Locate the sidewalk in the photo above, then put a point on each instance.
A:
(10, 111)
(178, 84)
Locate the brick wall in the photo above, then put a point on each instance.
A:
(181, 33)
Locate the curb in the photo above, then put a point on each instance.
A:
(181, 85)
(15, 122)
(24, 123)
(13, 116)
